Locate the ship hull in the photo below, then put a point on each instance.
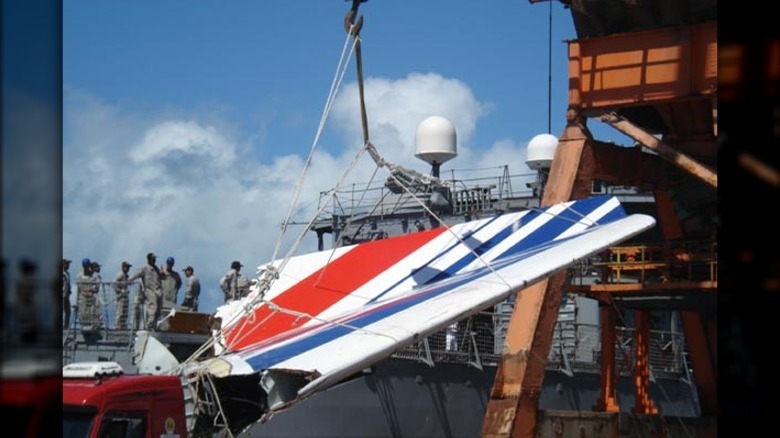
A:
(405, 398)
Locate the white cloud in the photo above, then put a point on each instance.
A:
(190, 187)
(396, 107)
(182, 138)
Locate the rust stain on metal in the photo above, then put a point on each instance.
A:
(669, 153)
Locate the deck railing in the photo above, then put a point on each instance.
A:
(576, 348)
(653, 263)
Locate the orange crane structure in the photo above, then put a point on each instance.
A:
(649, 70)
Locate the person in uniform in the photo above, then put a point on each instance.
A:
(452, 337)
(98, 280)
(66, 291)
(171, 283)
(191, 290)
(121, 288)
(242, 285)
(96, 271)
(229, 282)
(151, 284)
(87, 290)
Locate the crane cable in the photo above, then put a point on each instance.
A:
(353, 30)
(266, 281)
(335, 85)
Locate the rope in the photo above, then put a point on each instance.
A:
(219, 406)
(255, 304)
(284, 310)
(335, 85)
(360, 202)
(341, 236)
(435, 216)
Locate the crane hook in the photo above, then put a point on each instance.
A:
(349, 21)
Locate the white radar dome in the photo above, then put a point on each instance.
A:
(436, 140)
(541, 150)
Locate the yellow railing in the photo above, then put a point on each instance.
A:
(671, 261)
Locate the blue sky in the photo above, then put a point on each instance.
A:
(186, 123)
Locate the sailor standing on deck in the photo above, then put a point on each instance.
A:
(98, 280)
(66, 291)
(243, 284)
(229, 282)
(96, 274)
(87, 296)
(452, 337)
(191, 290)
(122, 288)
(171, 283)
(151, 283)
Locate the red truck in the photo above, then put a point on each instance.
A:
(99, 400)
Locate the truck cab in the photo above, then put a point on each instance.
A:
(99, 400)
